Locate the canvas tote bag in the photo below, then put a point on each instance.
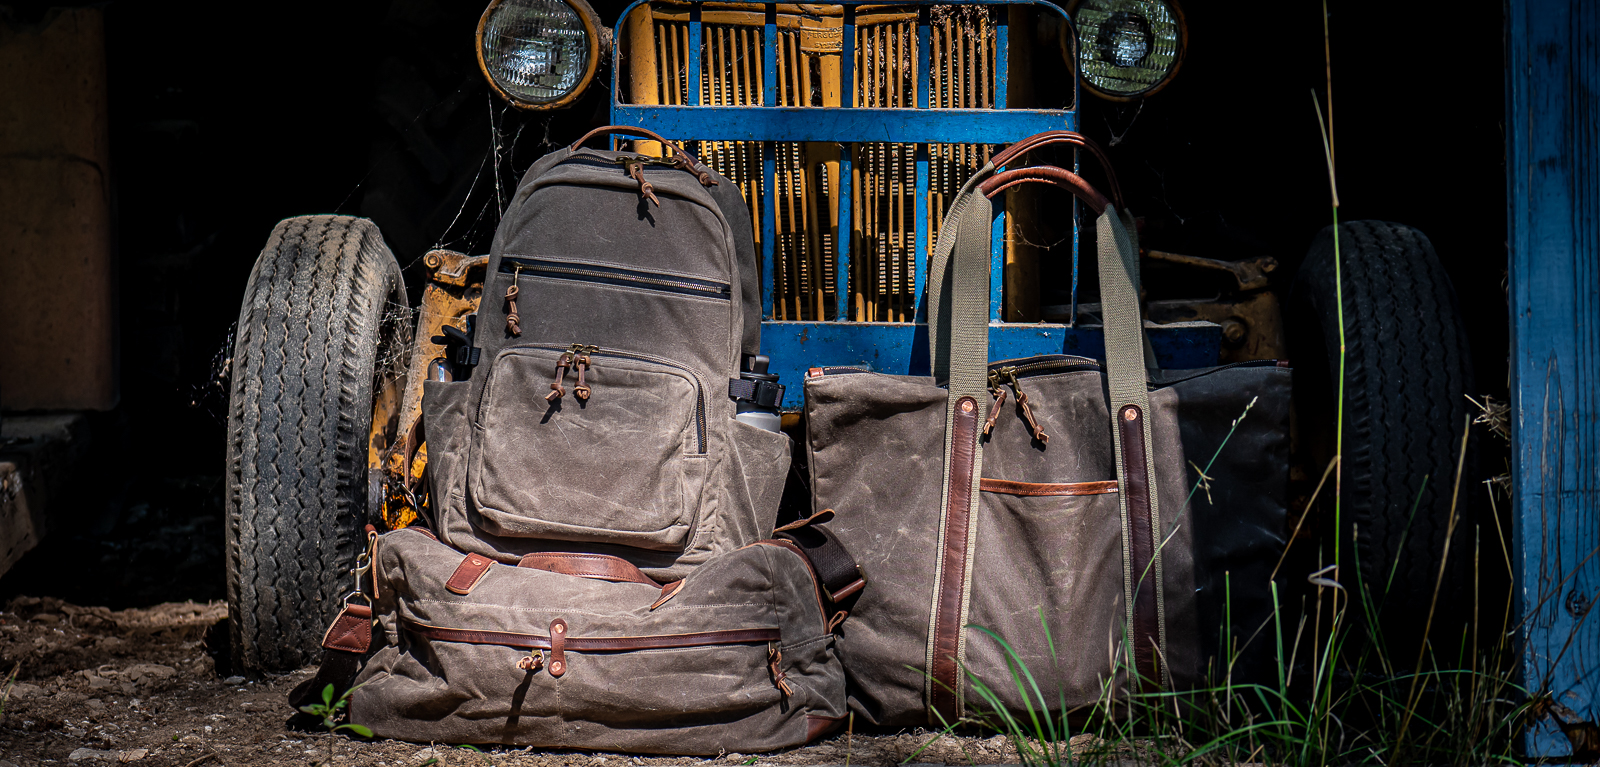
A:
(1047, 500)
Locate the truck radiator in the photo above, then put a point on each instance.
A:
(884, 223)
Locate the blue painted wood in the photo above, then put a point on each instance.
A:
(1553, 185)
(902, 348)
(903, 126)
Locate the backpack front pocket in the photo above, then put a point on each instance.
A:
(589, 445)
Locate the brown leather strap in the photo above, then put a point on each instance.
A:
(1007, 487)
(351, 631)
(468, 573)
(558, 647)
(626, 130)
(596, 644)
(600, 567)
(947, 629)
(790, 545)
(1048, 138)
(1142, 544)
(1046, 174)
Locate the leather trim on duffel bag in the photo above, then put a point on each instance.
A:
(947, 628)
(1146, 617)
(1008, 487)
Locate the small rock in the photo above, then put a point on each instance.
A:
(95, 703)
(99, 683)
(90, 753)
(50, 619)
(132, 755)
(22, 690)
(4, 763)
(234, 680)
(148, 671)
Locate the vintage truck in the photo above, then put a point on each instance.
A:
(848, 127)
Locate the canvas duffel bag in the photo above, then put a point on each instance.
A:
(585, 651)
(1053, 500)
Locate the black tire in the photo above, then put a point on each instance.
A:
(1407, 371)
(324, 317)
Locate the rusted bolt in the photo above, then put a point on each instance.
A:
(432, 261)
(1269, 264)
(1234, 330)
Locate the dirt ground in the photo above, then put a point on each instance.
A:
(96, 686)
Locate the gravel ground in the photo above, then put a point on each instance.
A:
(139, 686)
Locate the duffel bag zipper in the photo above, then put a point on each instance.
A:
(615, 275)
(581, 356)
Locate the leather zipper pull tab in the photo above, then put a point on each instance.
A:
(682, 160)
(513, 319)
(635, 169)
(1027, 412)
(582, 363)
(556, 390)
(999, 393)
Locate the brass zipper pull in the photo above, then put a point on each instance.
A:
(513, 319)
(562, 366)
(583, 362)
(635, 168)
(999, 394)
(1027, 412)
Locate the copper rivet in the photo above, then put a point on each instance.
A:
(560, 629)
(966, 406)
(1131, 414)
(556, 667)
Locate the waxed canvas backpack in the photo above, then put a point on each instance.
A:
(599, 515)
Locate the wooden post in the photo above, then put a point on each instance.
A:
(1553, 184)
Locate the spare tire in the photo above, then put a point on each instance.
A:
(324, 318)
(1407, 371)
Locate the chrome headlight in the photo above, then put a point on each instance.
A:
(539, 54)
(1128, 48)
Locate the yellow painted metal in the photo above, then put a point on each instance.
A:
(455, 286)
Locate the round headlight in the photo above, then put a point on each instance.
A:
(1128, 48)
(539, 54)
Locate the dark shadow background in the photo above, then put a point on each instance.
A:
(224, 123)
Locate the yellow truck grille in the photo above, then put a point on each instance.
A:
(884, 223)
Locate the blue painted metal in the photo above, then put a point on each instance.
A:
(693, 57)
(903, 126)
(997, 260)
(902, 348)
(769, 223)
(795, 346)
(1553, 185)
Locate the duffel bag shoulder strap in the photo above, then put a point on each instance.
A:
(1126, 374)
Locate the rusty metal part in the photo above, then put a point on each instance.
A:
(1250, 274)
(1252, 324)
(455, 287)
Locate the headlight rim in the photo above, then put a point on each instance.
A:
(591, 31)
(1172, 74)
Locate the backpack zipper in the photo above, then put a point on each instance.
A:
(571, 353)
(616, 275)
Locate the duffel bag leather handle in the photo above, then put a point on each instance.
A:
(958, 337)
(1048, 138)
(1046, 174)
